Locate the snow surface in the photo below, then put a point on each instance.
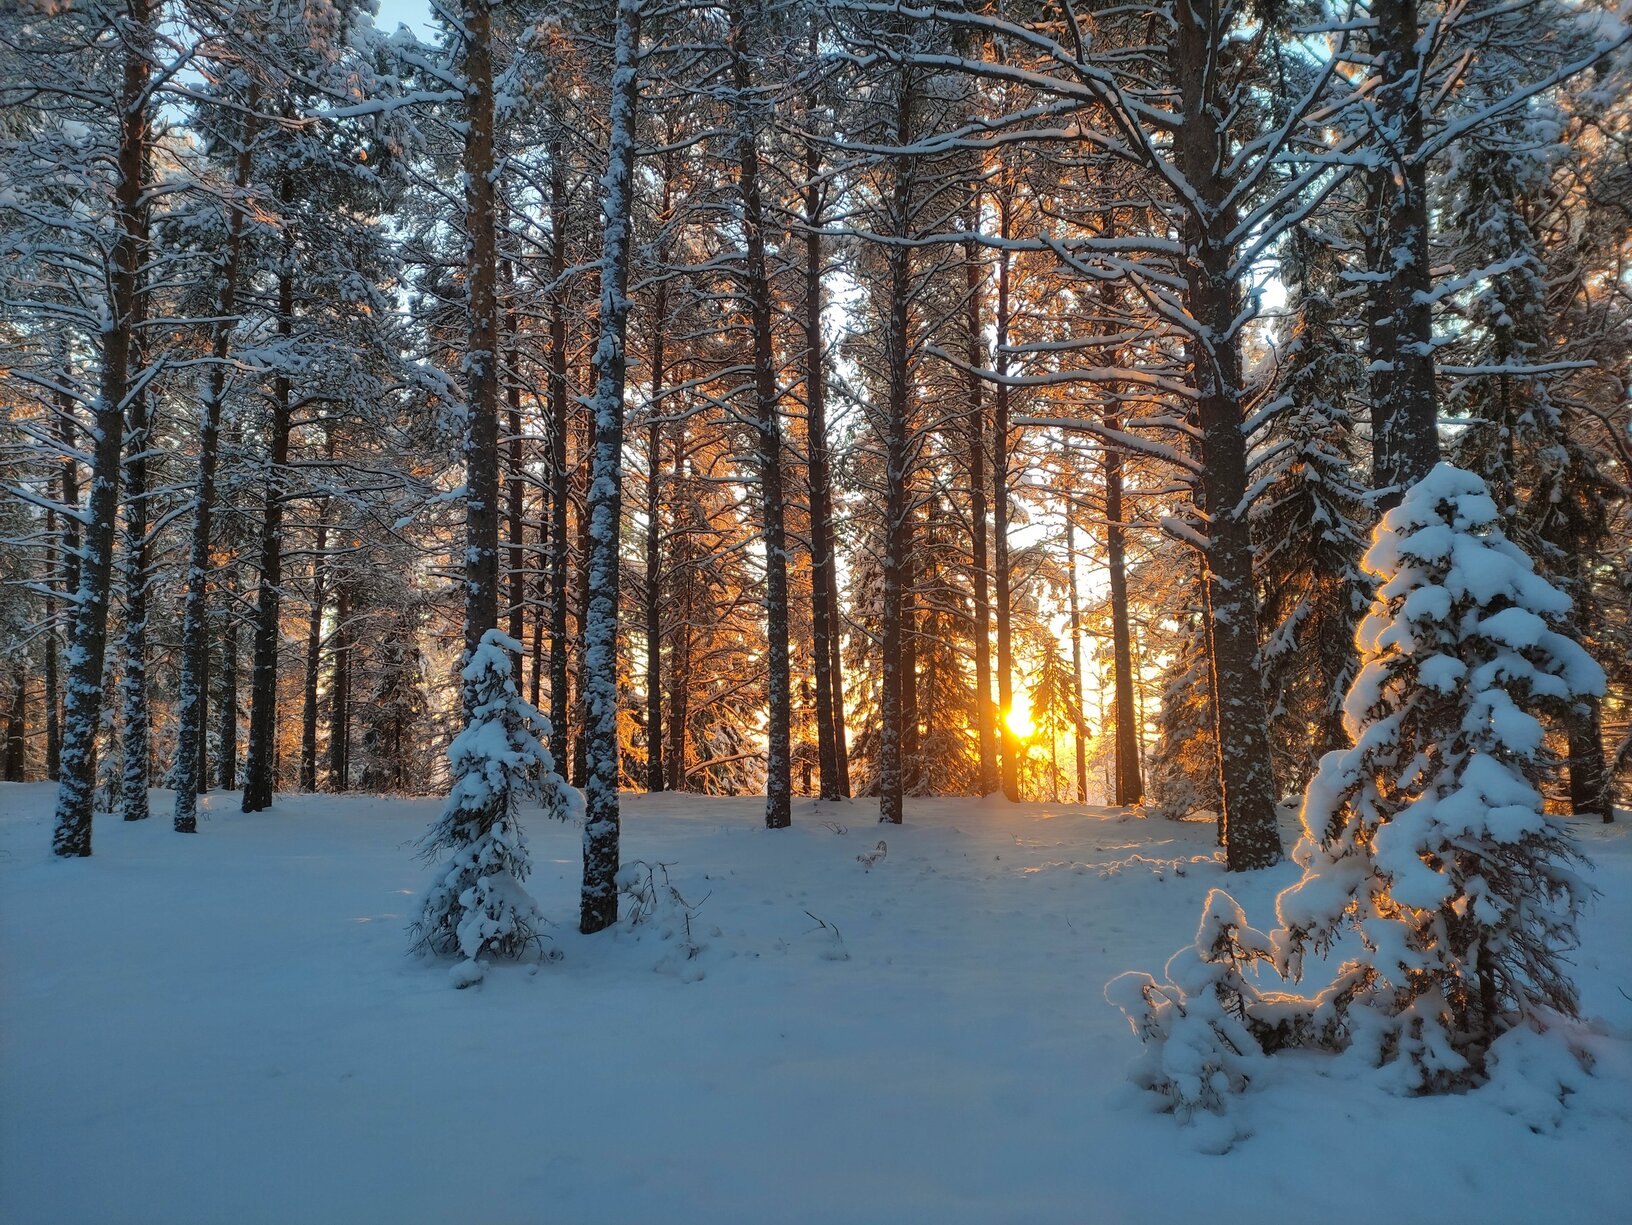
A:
(225, 1028)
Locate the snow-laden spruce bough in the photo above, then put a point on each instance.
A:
(1427, 843)
(477, 908)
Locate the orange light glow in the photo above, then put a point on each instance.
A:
(1018, 718)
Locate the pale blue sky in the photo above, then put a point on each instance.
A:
(412, 13)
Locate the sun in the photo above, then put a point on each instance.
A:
(1018, 718)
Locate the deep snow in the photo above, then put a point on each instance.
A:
(226, 1028)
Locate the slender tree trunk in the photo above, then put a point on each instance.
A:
(1246, 776)
(598, 907)
(53, 723)
(892, 745)
(516, 489)
(227, 734)
(586, 452)
(653, 589)
(823, 572)
(541, 595)
(481, 444)
(261, 767)
(560, 417)
(912, 766)
(1077, 735)
(1130, 787)
(88, 636)
(314, 647)
(340, 694)
(1590, 794)
(1409, 424)
(980, 565)
(17, 729)
(1000, 523)
(136, 721)
(756, 287)
(67, 575)
(680, 647)
(192, 747)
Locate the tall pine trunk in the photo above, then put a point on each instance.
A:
(768, 441)
(88, 633)
(260, 768)
(598, 904)
(1241, 722)
(1405, 424)
(560, 416)
(192, 754)
(823, 571)
(314, 648)
(980, 563)
(1000, 521)
(891, 767)
(653, 587)
(1077, 736)
(1130, 787)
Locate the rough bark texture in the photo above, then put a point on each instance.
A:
(653, 588)
(598, 906)
(314, 648)
(1130, 787)
(227, 707)
(892, 716)
(88, 633)
(823, 572)
(1408, 434)
(560, 411)
(1246, 775)
(767, 419)
(1078, 736)
(193, 713)
(260, 767)
(1000, 524)
(980, 563)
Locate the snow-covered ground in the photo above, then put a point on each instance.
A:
(225, 1028)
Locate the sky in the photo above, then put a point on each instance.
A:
(413, 13)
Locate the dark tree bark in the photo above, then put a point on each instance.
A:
(261, 766)
(980, 564)
(598, 903)
(680, 647)
(515, 489)
(891, 779)
(1130, 787)
(481, 444)
(314, 645)
(135, 718)
(1077, 731)
(1246, 774)
(192, 750)
(1000, 521)
(823, 571)
(88, 636)
(227, 733)
(1405, 419)
(768, 439)
(560, 417)
(1590, 793)
(340, 694)
(16, 740)
(653, 587)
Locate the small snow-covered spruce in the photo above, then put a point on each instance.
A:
(1206, 1026)
(477, 908)
(1428, 838)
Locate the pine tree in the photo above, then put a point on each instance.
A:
(1430, 838)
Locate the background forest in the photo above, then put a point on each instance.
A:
(853, 398)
